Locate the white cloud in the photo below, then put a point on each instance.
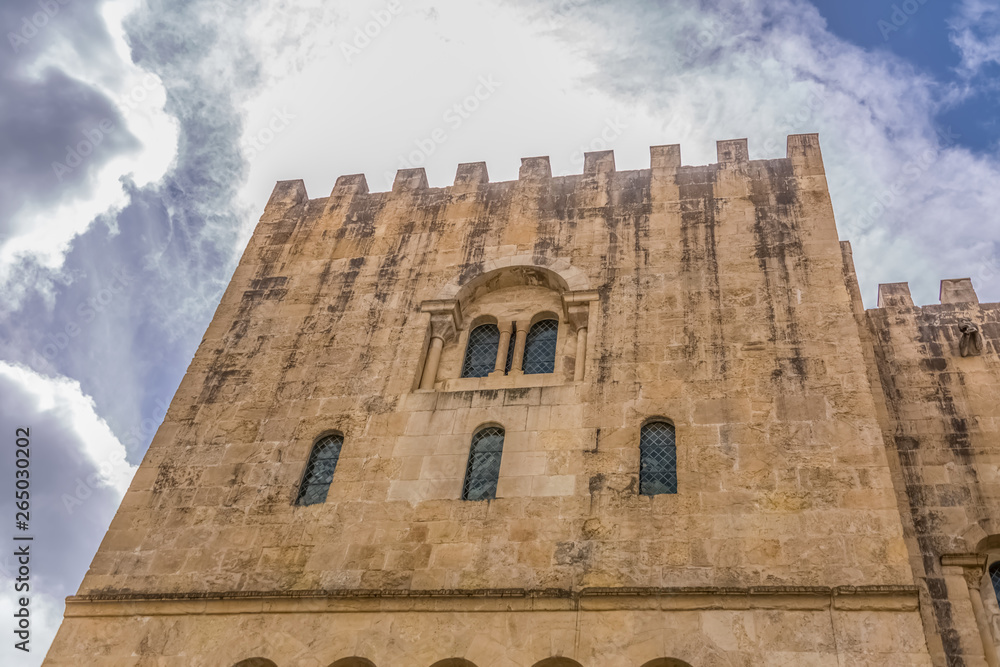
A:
(377, 111)
(45, 615)
(976, 33)
(61, 400)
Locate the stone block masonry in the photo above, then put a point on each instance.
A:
(717, 299)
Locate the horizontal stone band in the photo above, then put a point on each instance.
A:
(847, 598)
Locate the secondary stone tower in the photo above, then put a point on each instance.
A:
(617, 419)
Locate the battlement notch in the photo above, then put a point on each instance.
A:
(958, 290)
(894, 295)
(535, 168)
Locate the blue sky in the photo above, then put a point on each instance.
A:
(139, 141)
(923, 34)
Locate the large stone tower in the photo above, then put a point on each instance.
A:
(617, 419)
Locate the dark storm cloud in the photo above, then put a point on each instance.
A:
(165, 260)
(137, 288)
(70, 506)
(128, 321)
(55, 131)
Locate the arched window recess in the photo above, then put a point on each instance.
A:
(319, 470)
(657, 458)
(481, 351)
(483, 470)
(518, 325)
(540, 347)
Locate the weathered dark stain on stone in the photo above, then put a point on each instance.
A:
(781, 259)
(700, 261)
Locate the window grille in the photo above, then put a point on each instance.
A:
(481, 353)
(540, 347)
(319, 470)
(657, 459)
(995, 578)
(483, 471)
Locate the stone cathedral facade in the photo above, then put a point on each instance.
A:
(613, 419)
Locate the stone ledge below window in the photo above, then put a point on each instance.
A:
(501, 382)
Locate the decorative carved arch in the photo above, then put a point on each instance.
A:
(454, 662)
(557, 662)
(525, 269)
(568, 299)
(667, 662)
(255, 662)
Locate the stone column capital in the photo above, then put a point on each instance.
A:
(576, 307)
(446, 317)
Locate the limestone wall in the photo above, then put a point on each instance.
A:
(719, 305)
(943, 436)
(711, 296)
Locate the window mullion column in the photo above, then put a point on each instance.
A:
(502, 348)
(516, 366)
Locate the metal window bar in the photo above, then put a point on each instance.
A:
(483, 471)
(995, 578)
(657, 459)
(481, 352)
(319, 470)
(540, 347)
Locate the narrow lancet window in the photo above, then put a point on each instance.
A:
(657, 459)
(481, 353)
(483, 471)
(319, 470)
(540, 347)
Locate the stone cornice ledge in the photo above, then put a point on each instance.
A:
(792, 598)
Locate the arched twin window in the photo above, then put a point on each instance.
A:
(483, 470)
(539, 350)
(319, 471)
(657, 458)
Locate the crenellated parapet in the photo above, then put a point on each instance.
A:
(958, 325)
(952, 291)
(803, 153)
